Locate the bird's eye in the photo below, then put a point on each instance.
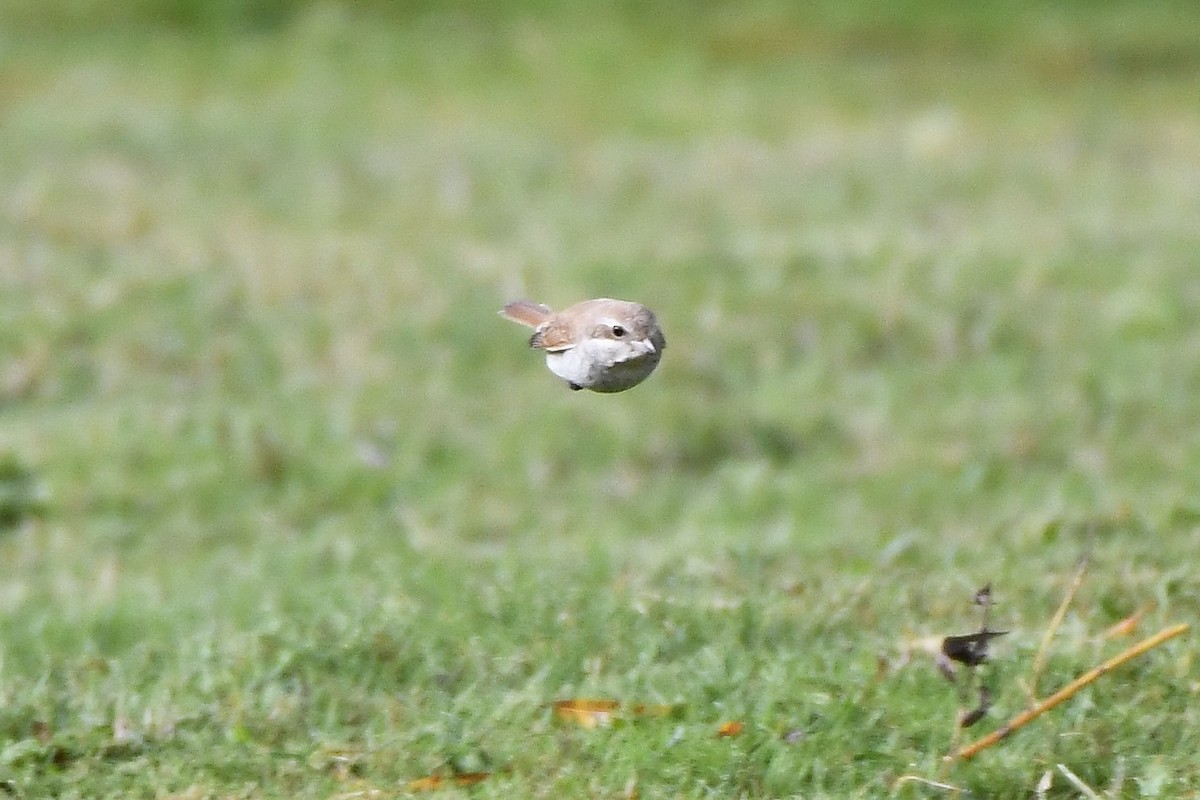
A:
(618, 331)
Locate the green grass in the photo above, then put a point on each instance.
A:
(288, 511)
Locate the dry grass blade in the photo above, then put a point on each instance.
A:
(1039, 661)
(904, 779)
(1078, 783)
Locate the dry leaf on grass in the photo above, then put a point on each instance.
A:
(586, 713)
(730, 728)
(594, 713)
(431, 782)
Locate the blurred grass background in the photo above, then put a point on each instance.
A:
(277, 481)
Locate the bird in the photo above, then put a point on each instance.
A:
(604, 345)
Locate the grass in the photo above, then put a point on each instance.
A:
(288, 511)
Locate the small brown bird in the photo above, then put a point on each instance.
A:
(604, 345)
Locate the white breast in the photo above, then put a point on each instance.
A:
(603, 365)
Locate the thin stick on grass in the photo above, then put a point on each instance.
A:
(1039, 661)
(955, 736)
(1068, 691)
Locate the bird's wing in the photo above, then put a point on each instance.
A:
(553, 337)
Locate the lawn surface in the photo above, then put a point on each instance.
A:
(287, 510)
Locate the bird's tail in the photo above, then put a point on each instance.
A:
(526, 312)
